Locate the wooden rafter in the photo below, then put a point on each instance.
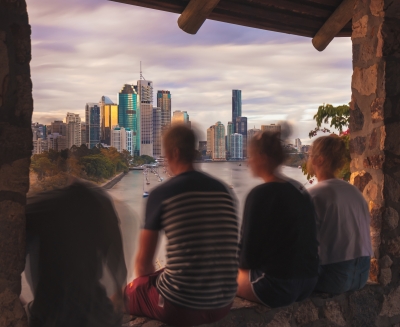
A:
(195, 14)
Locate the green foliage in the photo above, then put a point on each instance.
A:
(143, 160)
(98, 166)
(337, 117)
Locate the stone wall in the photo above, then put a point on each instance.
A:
(375, 127)
(15, 148)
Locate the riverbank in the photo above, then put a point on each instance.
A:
(111, 182)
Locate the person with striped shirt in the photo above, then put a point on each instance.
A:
(197, 214)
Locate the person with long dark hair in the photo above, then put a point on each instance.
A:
(278, 250)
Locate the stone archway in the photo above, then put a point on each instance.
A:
(375, 148)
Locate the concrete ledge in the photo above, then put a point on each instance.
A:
(372, 306)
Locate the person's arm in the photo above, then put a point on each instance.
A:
(147, 247)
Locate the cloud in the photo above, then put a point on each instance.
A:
(85, 49)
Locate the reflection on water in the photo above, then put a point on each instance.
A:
(130, 204)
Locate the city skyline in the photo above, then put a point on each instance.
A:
(279, 81)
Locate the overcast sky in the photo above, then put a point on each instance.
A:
(83, 49)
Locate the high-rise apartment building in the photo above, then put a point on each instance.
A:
(92, 117)
(59, 127)
(39, 146)
(236, 146)
(83, 133)
(180, 117)
(38, 131)
(156, 132)
(56, 142)
(74, 130)
(109, 118)
(129, 113)
(164, 103)
(252, 132)
(122, 139)
(145, 92)
(241, 128)
(216, 142)
(297, 143)
(272, 128)
(236, 107)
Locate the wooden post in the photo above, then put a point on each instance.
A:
(195, 14)
(335, 23)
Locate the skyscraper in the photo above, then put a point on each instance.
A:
(59, 127)
(241, 128)
(216, 141)
(252, 132)
(74, 129)
(145, 93)
(236, 146)
(92, 116)
(109, 118)
(121, 139)
(129, 114)
(164, 103)
(156, 132)
(236, 106)
(180, 117)
(229, 132)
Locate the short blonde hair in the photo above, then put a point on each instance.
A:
(332, 148)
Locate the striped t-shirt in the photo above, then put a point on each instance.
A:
(198, 216)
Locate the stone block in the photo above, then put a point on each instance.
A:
(306, 313)
(385, 276)
(360, 27)
(376, 218)
(391, 304)
(374, 162)
(377, 110)
(357, 145)
(392, 188)
(374, 270)
(365, 80)
(385, 262)
(15, 176)
(281, 319)
(333, 313)
(4, 67)
(356, 119)
(376, 8)
(364, 307)
(391, 218)
(393, 246)
(361, 179)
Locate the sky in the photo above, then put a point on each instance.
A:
(84, 49)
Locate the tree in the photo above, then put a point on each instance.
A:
(338, 118)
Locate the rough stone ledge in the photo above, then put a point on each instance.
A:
(372, 306)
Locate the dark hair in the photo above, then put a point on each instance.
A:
(333, 149)
(269, 144)
(182, 138)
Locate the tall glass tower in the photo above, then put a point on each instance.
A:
(236, 107)
(129, 115)
(241, 128)
(92, 115)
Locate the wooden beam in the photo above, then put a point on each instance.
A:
(335, 23)
(195, 14)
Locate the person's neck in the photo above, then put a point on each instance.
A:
(270, 177)
(323, 176)
(183, 168)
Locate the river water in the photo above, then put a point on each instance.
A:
(130, 204)
(128, 199)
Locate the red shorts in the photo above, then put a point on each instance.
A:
(143, 300)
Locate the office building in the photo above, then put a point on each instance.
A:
(39, 146)
(252, 132)
(236, 146)
(236, 107)
(109, 118)
(74, 130)
(92, 117)
(144, 90)
(122, 139)
(129, 113)
(156, 132)
(241, 128)
(164, 103)
(58, 127)
(272, 128)
(39, 131)
(180, 117)
(229, 132)
(216, 142)
(56, 142)
(83, 133)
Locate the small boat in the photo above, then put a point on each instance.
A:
(145, 194)
(240, 164)
(147, 183)
(299, 167)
